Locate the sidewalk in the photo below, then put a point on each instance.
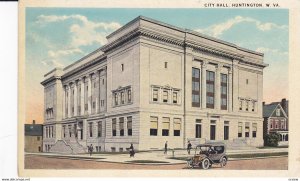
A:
(153, 157)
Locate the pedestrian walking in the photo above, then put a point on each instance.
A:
(189, 147)
(91, 148)
(131, 151)
(166, 147)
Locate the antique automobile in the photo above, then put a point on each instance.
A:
(208, 154)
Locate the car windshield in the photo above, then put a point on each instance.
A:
(219, 149)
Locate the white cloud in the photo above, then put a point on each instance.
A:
(218, 29)
(269, 50)
(84, 33)
(52, 63)
(67, 52)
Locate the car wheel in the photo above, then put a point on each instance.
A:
(205, 163)
(190, 163)
(223, 162)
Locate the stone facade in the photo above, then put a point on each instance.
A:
(152, 83)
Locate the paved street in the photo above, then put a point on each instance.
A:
(43, 162)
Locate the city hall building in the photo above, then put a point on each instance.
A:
(151, 83)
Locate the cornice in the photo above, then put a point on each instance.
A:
(86, 65)
(50, 79)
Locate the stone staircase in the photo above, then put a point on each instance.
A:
(72, 147)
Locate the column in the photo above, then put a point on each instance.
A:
(218, 87)
(75, 98)
(89, 94)
(69, 100)
(203, 84)
(64, 103)
(99, 97)
(230, 90)
(82, 96)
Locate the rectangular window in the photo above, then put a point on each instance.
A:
(226, 130)
(210, 89)
(166, 64)
(94, 105)
(240, 129)
(165, 127)
(46, 132)
(79, 110)
(212, 132)
(129, 95)
(223, 91)
(247, 105)
(100, 129)
(122, 98)
(247, 130)
(74, 130)
(70, 130)
(153, 126)
(129, 126)
(114, 122)
(116, 98)
(177, 126)
(155, 95)
(198, 130)
(38, 138)
(241, 104)
(277, 112)
(64, 131)
(254, 130)
(121, 126)
(253, 106)
(195, 87)
(165, 96)
(175, 97)
(91, 129)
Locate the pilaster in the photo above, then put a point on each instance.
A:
(218, 87)
(230, 89)
(203, 84)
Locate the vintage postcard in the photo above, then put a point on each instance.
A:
(160, 88)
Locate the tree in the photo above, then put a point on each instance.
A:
(272, 139)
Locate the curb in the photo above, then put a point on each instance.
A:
(253, 158)
(103, 159)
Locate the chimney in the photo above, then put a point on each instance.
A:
(283, 103)
(33, 121)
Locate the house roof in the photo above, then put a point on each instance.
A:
(269, 109)
(33, 130)
(284, 107)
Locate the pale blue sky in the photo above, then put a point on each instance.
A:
(60, 36)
